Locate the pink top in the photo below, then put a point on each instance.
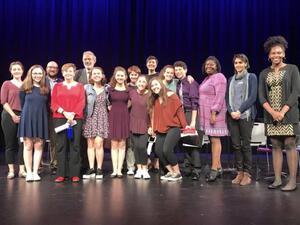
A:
(10, 94)
(212, 99)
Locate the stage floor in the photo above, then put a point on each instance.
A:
(129, 201)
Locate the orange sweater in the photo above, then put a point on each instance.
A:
(168, 115)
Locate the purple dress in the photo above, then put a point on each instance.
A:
(212, 98)
(97, 124)
(118, 117)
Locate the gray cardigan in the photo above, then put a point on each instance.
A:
(91, 98)
(291, 85)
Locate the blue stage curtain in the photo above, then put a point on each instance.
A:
(124, 32)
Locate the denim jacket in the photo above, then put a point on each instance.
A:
(91, 98)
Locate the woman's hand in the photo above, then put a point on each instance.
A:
(213, 118)
(16, 118)
(150, 131)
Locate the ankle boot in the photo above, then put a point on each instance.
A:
(238, 178)
(246, 179)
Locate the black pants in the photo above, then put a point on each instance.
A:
(192, 154)
(165, 144)
(240, 133)
(68, 151)
(139, 142)
(12, 144)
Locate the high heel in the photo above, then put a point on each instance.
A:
(212, 176)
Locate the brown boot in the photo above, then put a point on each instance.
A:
(238, 178)
(246, 179)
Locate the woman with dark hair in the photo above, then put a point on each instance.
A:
(241, 95)
(212, 110)
(278, 93)
(118, 119)
(67, 105)
(10, 118)
(33, 128)
(95, 128)
(167, 118)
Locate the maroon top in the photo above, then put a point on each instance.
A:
(70, 100)
(10, 94)
(139, 118)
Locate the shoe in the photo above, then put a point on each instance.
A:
(238, 178)
(99, 174)
(212, 176)
(274, 185)
(29, 177)
(138, 174)
(22, 174)
(120, 175)
(145, 174)
(10, 175)
(166, 176)
(113, 175)
(130, 172)
(89, 174)
(36, 177)
(220, 172)
(59, 179)
(175, 177)
(195, 175)
(53, 171)
(289, 187)
(246, 179)
(75, 179)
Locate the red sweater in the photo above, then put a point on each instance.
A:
(168, 115)
(70, 100)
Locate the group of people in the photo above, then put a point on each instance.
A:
(133, 107)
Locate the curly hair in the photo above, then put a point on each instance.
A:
(113, 81)
(215, 60)
(275, 41)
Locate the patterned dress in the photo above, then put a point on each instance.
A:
(274, 82)
(97, 124)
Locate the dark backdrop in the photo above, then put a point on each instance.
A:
(124, 32)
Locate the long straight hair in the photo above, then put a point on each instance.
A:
(28, 82)
(153, 97)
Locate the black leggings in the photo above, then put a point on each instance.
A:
(12, 145)
(165, 144)
(139, 142)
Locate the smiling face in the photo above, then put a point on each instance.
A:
(69, 74)
(88, 61)
(97, 75)
(155, 86)
(151, 64)
(240, 65)
(210, 67)
(120, 77)
(276, 54)
(141, 83)
(180, 72)
(169, 74)
(16, 71)
(133, 76)
(37, 75)
(52, 69)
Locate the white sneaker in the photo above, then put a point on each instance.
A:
(36, 177)
(145, 174)
(89, 174)
(175, 177)
(29, 177)
(130, 171)
(138, 174)
(166, 176)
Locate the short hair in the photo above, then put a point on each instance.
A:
(242, 57)
(135, 69)
(180, 64)
(152, 57)
(15, 63)
(216, 61)
(90, 53)
(66, 66)
(275, 41)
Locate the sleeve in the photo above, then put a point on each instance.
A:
(295, 82)
(179, 111)
(80, 104)
(252, 94)
(4, 93)
(54, 99)
(22, 95)
(229, 109)
(194, 95)
(220, 89)
(262, 92)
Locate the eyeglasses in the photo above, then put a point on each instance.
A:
(37, 73)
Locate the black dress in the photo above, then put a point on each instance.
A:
(34, 115)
